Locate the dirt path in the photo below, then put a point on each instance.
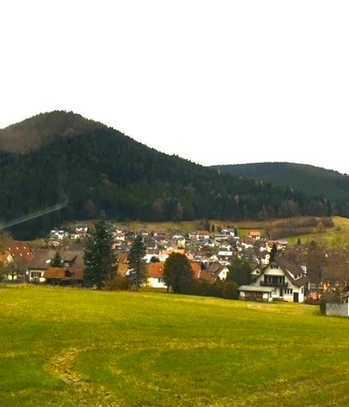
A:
(85, 393)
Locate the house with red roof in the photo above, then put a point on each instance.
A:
(155, 275)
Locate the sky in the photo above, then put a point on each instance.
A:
(217, 82)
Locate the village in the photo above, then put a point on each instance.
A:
(272, 271)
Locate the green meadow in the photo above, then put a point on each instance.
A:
(70, 347)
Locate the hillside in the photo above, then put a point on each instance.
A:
(58, 157)
(71, 347)
(307, 178)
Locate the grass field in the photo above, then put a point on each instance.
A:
(338, 236)
(67, 347)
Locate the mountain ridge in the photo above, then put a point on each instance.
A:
(308, 178)
(106, 173)
(34, 132)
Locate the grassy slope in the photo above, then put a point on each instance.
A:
(68, 347)
(335, 237)
(245, 226)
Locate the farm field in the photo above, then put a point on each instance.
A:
(70, 347)
(244, 226)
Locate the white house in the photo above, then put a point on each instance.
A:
(36, 275)
(218, 270)
(225, 255)
(39, 264)
(280, 280)
(255, 293)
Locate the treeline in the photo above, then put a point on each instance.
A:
(298, 226)
(309, 179)
(106, 174)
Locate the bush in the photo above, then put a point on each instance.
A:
(323, 308)
(206, 289)
(230, 290)
(220, 289)
(119, 283)
(331, 296)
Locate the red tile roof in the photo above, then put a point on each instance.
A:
(196, 268)
(20, 251)
(156, 270)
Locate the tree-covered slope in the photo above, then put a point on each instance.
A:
(105, 173)
(31, 134)
(307, 178)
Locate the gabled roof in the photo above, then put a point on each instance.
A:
(215, 267)
(196, 268)
(291, 270)
(20, 251)
(40, 258)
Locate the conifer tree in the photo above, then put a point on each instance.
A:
(136, 262)
(57, 260)
(273, 253)
(100, 260)
(239, 272)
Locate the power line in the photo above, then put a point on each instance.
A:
(34, 215)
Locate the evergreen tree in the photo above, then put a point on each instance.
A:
(99, 257)
(273, 252)
(239, 272)
(57, 260)
(316, 260)
(178, 273)
(136, 262)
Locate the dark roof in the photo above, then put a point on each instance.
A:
(291, 269)
(215, 268)
(40, 258)
(75, 259)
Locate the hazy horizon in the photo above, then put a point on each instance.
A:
(219, 82)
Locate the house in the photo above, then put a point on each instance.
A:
(64, 276)
(225, 255)
(279, 280)
(196, 267)
(17, 256)
(256, 293)
(200, 235)
(255, 235)
(71, 271)
(228, 232)
(218, 271)
(5, 261)
(74, 266)
(38, 265)
(5, 258)
(155, 275)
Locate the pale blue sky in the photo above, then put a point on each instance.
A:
(214, 81)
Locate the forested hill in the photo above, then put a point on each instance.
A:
(58, 156)
(307, 178)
